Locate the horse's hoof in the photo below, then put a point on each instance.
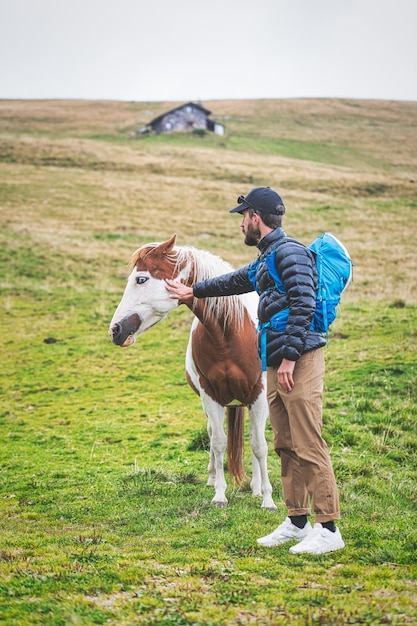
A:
(271, 508)
(220, 505)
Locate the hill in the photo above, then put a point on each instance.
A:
(344, 166)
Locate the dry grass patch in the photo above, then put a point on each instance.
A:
(138, 195)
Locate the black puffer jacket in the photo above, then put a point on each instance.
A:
(297, 269)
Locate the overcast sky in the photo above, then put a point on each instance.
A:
(180, 50)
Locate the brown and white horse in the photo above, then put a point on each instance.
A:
(222, 363)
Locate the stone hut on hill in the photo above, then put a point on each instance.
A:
(190, 116)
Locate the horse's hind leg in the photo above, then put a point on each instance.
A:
(260, 484)
(212, 463)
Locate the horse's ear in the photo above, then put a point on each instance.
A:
(167, 246)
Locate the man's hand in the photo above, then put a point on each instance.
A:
(285, 374)
(179, 291)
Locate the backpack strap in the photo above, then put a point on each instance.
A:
(253, 268)
(273, 272)
(262, 342)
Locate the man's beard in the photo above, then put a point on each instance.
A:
(252, 236)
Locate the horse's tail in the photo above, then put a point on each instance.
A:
(235, 443)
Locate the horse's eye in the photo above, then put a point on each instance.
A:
(141, 279)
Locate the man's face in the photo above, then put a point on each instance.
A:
(250, 229)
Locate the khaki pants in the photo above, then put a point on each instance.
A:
(296, 419)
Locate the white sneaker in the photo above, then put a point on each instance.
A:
(285, 532)
(319, 541)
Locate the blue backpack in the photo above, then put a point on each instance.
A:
(334, 269)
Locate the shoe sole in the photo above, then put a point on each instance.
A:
(337, 546)
(272, 544)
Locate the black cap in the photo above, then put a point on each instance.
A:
(263, 199)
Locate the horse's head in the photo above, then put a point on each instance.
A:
(145, 300)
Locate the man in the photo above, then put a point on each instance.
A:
(295, 370)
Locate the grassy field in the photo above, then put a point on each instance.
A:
(104, 513)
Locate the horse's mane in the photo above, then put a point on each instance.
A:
(204, 264)
(201, 264)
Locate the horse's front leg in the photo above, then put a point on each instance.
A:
(260, 484)
(218, 440)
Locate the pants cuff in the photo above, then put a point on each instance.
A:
(295, 512)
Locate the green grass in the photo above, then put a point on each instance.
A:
(104, 512)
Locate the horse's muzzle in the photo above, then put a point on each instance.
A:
(122, 333)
